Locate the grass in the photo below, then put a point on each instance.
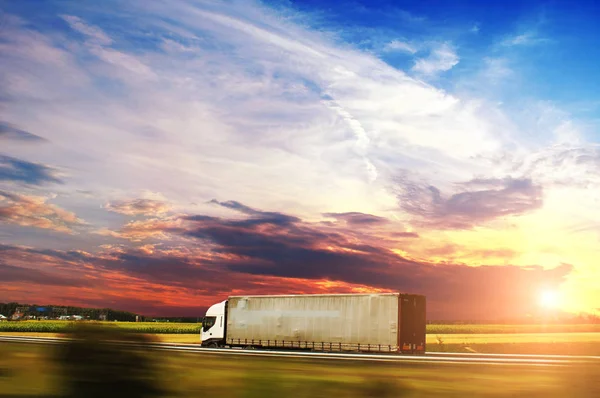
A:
(33, 371)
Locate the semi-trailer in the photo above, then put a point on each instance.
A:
(380, 322)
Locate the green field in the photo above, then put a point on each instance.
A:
(193, 328)
(29, 371)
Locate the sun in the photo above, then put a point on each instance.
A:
(549, 299)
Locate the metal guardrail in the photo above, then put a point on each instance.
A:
(315, 346)
(328, 346)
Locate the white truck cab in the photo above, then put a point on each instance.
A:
(213, 325)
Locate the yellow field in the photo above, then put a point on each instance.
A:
(54, 326)
(513, 338)
(518, 343)
(136, 327)
(512, 329)
(431, 339)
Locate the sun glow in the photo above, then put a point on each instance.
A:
(549, 299)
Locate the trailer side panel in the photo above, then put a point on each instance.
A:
(330, 322)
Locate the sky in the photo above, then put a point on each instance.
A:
(159, 156)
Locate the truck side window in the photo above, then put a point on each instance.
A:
(208, 322)
(221, 323)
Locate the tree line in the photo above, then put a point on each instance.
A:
(53, 311)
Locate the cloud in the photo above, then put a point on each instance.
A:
(12, 274)
(158, 282)
(35, 69)
(441, 59)
(496, 69)
(345, 117)
(357, 218)
(98, 43)
(565, 165)
(404, 234)
(124, 61)
(362, 137)
(524, 39)
(10, 131)
(455, 253)
(137, 231)
(480, 201)
(243, 252)
(93, 33)
(33, 211)
(302, 250)
(397, 45)
(134, 207)
(163, 228)
(171, 269)
(300, 259)
(13, 169)
(257, 217)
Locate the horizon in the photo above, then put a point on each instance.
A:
(540, 320)
(157, 156)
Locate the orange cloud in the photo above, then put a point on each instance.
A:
(137, 231)
(207, 258)
(33, 211)
(268, 252)
(134, 207)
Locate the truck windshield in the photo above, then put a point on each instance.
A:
(208, 322)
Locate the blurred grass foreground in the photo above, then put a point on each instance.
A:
(108, 361)
(96, 363)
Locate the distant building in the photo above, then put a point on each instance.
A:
(17, 315)
(3, 318)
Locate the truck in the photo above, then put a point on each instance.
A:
(358, 322)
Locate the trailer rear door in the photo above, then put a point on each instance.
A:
(413, 322)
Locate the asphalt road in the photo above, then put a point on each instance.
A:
(429, 358)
